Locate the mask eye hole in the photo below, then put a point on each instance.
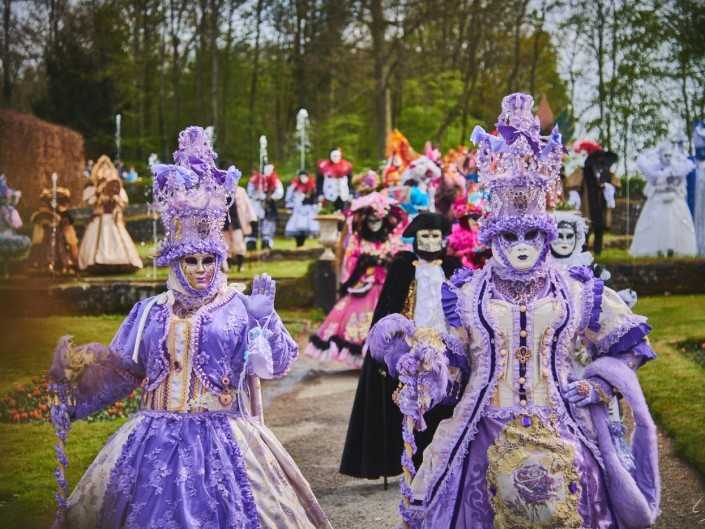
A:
(208, 260)
(191, 261)
(509, 236)
(531, 235)
(570, 236)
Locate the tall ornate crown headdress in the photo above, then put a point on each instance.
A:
(192, 197)
(520, 169)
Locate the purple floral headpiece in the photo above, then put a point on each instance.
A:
(192, 197)
(520, 169)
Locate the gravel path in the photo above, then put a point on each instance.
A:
(309, 410)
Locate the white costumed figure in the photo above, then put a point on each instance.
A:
(665, 226)
(699, 215)
(569, 250)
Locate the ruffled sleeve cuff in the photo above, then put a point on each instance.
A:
(593, 297)
(449, 302)
(449, 295)
(598, 287)
(629, 343)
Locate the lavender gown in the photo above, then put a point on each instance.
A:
(507, 459)
(191, 458)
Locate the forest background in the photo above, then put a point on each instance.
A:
(626, 73)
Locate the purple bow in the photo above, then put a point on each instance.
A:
(512, 134)
(231, 178)
(181, 175)
(497, 145)
(198, 166)
(554, 140)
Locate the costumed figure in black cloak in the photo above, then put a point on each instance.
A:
(412, 288)
(53, 251)
(596, 184)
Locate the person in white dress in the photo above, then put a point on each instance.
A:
(699, 213)
(665, 225)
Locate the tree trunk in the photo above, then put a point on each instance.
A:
(6, 70)
(382, 111)
(138, 75)
(511, 82)
(686, 100)
(599, 27)
(213, 34)
(253, 88)
(225, 78)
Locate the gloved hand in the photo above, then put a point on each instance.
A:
(583, 392)
(260, 302)
(408, 401)
(574, 199)
(608, 192)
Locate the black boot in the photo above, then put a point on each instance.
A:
(251, 245)
(265, 244)
(239, 259)
(300, 239)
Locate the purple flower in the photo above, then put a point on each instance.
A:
(534, 485)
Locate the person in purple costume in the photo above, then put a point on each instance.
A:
(197, 454)
(530, 443)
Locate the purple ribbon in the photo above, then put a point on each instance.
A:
(512, 134)
(182, 176)
(231, 178)
(198, 166)
(497, 145)
(554, 140)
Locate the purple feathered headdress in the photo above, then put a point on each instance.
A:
(192, 196)
(520, 169)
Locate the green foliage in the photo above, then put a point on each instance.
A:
(636, 186)
(155, 64)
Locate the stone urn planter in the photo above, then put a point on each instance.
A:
(328, 234)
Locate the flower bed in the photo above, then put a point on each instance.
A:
(694, 349)
(30, 403)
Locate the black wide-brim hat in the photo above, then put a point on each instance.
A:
(428, 221)
(601, 159)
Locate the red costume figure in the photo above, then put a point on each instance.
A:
(264, 190)
(333, 179)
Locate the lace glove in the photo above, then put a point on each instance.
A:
(260, 303)
(608, 192)
(407, 398)
(587, 391)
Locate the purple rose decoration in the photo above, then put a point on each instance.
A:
(534, 485)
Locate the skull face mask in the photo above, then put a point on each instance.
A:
(198, 269)
(519, 249)
(564, 245)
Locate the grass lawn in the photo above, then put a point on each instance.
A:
(673, 385)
